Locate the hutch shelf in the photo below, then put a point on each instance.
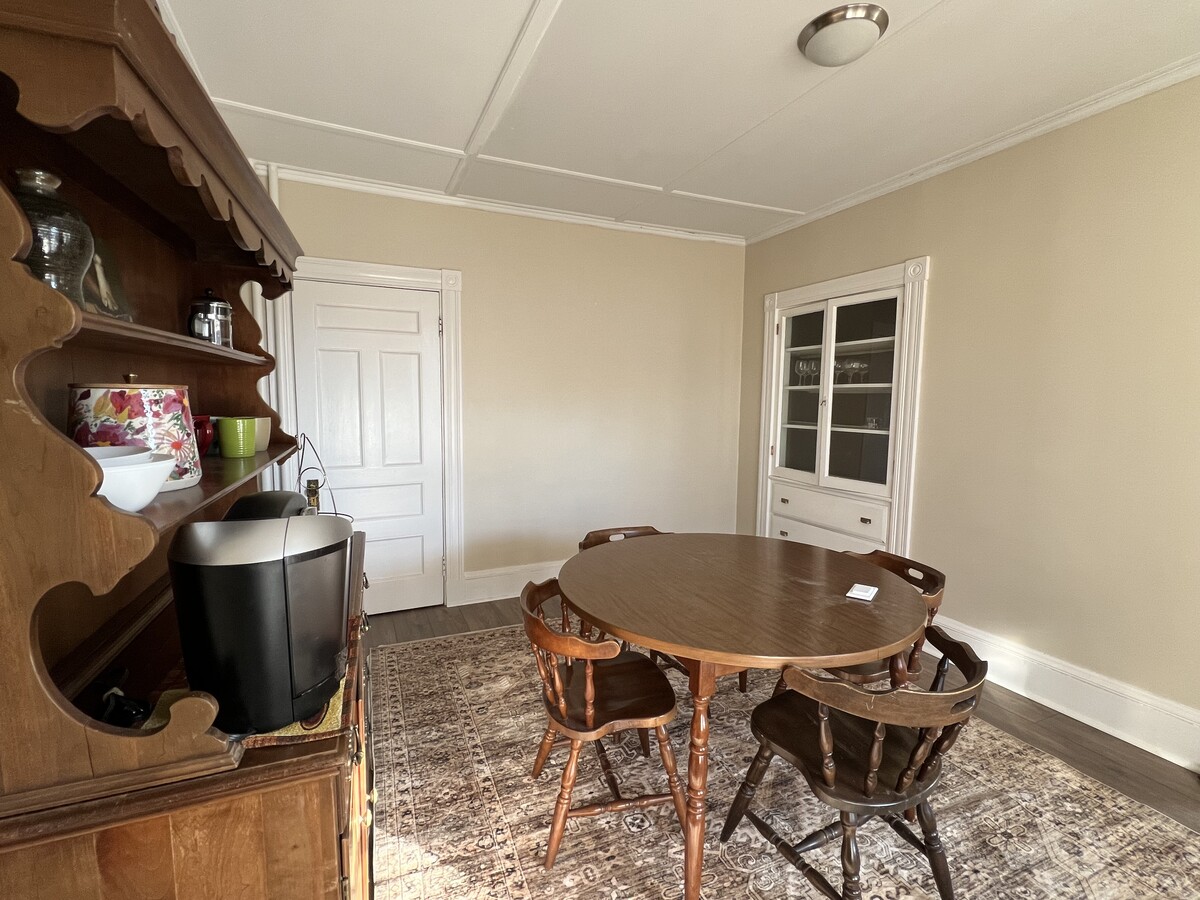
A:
(101, 333)
(96, 92)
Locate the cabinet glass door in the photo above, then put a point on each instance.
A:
(860, 390)
(803, 366)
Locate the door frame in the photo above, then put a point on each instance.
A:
(448, 284)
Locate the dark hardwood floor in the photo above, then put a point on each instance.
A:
(1134, 772)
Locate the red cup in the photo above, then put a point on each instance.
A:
(204, 433)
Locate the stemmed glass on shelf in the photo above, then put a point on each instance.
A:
(807, 368)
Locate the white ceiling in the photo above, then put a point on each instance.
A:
(692, 115)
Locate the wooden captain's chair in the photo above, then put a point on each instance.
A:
(592, 688)
(867, 753)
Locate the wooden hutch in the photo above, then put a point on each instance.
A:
(96, 92)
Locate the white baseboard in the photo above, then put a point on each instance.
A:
(1161, 726)
(483, 585)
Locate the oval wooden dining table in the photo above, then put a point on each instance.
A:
(722, 603)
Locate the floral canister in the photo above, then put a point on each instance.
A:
(138, 415)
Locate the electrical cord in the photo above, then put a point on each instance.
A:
(306, 445)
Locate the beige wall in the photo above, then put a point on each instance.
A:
(600, 368)
(1059, 442)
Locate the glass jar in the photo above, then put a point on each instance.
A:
(62, 246)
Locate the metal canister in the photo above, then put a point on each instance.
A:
(211, 319)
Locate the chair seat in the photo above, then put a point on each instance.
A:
(790, 725)
(631, 691)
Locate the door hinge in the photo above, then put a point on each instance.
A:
(443, 568)
(441, 326)
(777, 328)
(772, 449)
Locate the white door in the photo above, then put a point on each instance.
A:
(368, 395)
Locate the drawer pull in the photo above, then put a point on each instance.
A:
(783, 534)
(864, 520)
(783, 500)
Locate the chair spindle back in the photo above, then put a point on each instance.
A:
(557, 653)
(939, 714)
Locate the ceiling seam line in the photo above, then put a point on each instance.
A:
(334, 128)
(520, 58)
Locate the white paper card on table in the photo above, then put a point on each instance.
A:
(862, 592)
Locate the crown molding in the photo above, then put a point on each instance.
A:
(1076, 112)
(388, 189)
(1125, 93)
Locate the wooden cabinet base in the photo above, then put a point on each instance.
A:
(275, 843)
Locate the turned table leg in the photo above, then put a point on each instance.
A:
(702, 683)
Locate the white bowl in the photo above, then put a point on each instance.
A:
(131, 487)
(262, 434)
(118, 456)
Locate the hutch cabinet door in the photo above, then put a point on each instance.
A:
(862, 370)
(802, 366)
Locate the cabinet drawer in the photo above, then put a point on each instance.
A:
(794, 530)
(862, 518)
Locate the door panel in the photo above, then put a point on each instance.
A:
(338, 431)
(368, 384)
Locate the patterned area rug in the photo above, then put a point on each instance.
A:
(457, 721)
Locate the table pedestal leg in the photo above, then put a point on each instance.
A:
(703, 683)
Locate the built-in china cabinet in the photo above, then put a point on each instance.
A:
(840, 385)
(96, 93)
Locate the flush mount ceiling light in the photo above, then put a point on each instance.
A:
(844, 34)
